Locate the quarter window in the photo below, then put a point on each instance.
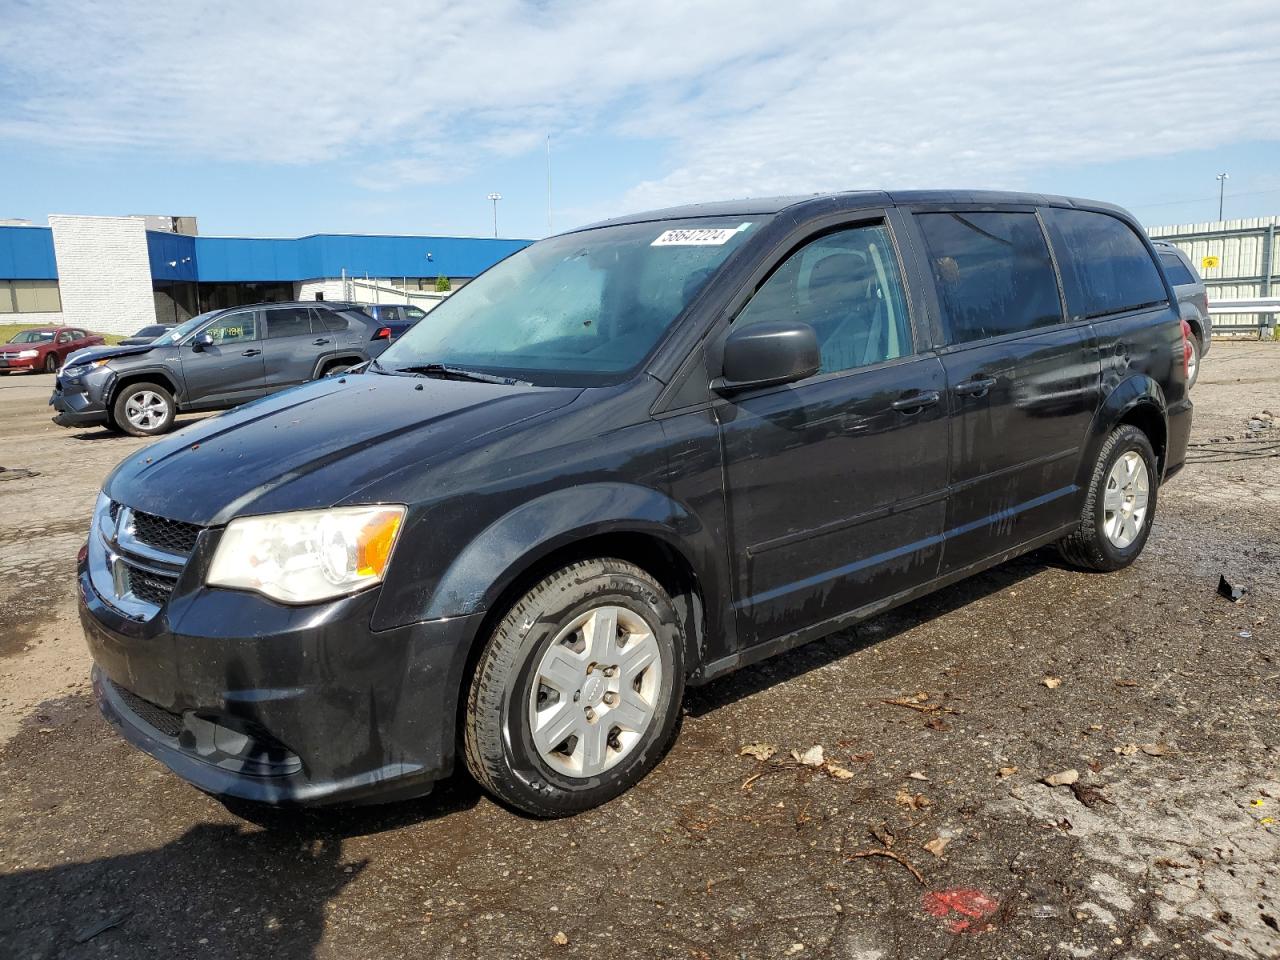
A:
(847, 287)
(235, 328)
(1176, 270)
(328, 321)
(993, 273)
(1106, 268)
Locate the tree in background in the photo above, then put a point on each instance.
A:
(443, 285)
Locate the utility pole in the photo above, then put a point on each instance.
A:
(495, 197)
(1222, 185)
(550, 228)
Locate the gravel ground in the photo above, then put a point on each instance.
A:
(927, 833)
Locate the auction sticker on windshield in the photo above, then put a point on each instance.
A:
(697, 236)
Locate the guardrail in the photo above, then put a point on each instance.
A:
(1266, 309)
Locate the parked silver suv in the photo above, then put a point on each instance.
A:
(1193, 301)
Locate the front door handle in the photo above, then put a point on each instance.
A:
(977, 387)
(915, 402)
(250, 353)
(320, 343)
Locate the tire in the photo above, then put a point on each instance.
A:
(509, 689)
(1102, 540)
(150, 396)
(1193, 362)
(50, 363)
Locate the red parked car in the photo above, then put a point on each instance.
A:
(44, 348)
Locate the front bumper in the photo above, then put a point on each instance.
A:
(252, 699)
(77, 404)
(15, 364)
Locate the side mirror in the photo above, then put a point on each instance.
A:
(762, 354)
(202, 341)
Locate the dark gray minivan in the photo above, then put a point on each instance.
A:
(213, 361)
(626, 459)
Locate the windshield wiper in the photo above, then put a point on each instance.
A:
(443, 372)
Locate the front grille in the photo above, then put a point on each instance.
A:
(171, 536)
(149, 587)
(170, 724)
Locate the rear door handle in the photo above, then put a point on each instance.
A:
(321, 342)
(977, 387)
(915, 402)
(250, 353)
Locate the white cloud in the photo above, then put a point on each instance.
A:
(752, 98)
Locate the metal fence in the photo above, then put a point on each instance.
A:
(1240, 263)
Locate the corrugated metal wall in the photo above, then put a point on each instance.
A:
(1248, 259)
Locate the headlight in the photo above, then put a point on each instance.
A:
(307, 556)
(80, 369)
(24, 354)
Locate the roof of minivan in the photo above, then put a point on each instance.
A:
(850, 199)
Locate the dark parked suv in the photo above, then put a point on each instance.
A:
(212, 361)
(626, 459)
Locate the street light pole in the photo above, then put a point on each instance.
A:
(495, 197)
(1222, 185)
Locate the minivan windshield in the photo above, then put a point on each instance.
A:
(574, 310)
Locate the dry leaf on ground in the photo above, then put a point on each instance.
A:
(1063, 779)
(761, 751)
(1053, 683)
(837, 771)
(1007, 772)
(813, 757)
(917, 775)
(937, 845)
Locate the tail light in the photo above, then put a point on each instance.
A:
(1186, 348)
(384, 333)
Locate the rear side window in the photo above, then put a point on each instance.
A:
(1176, 270)
(1106, 268)
(288, 322)
(993, 273)
(414, 313)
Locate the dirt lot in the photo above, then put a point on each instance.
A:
(1168, 707)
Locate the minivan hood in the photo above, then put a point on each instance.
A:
(88, 354)
(317, 444)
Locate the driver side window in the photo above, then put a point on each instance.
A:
(233, 328)
(847, 287)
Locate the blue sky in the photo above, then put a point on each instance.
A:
(291, 118)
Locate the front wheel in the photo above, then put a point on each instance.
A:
(50, 364)
(1121, 504)
(577, 694)
(143, 410)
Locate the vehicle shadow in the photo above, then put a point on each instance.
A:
(219, 890)
(450, 796)
(758, 677)
(102, 434)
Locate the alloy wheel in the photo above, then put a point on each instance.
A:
(1125, 500)
(146, 410)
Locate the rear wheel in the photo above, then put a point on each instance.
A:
(1121, 504)
(143, 409)
(577, 693)
(336, 368)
